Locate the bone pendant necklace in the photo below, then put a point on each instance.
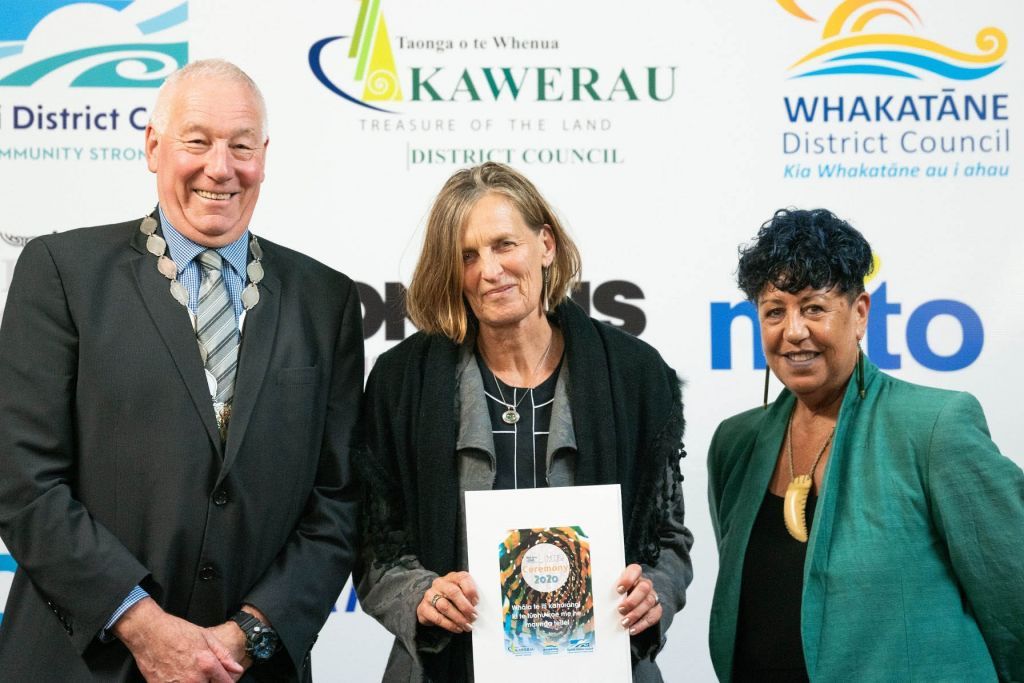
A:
(794, 507)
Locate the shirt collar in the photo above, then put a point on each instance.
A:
(183, 250)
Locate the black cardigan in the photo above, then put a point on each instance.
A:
(627, 417)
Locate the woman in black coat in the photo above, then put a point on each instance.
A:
(503, 351)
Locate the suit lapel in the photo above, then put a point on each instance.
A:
(172, 321)
(258, 334)
(763, 458)
(852, 423)
(761, 463)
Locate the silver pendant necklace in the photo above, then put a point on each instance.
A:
(511, 414)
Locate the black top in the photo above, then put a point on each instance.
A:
(520, 448)
(768, 645)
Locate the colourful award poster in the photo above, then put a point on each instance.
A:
(547, 599)
(546, 562)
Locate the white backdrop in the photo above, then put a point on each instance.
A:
(665, 133)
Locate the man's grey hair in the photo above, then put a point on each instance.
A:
(204, 68)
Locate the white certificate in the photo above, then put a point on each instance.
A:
(546, 562)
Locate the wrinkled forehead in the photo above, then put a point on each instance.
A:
(203, 102)
(772, 292)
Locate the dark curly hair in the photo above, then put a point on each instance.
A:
(797, 249)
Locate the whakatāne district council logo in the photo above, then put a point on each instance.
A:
(370, 61)
(872, 37)
(91, 43)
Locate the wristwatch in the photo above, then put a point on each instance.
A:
(261, 640)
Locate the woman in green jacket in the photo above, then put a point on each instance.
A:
(868, 528)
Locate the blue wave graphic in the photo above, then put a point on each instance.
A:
(21, 17)
(105, 75)
(318, 71)
(898, 59)
(8, 50)
(172, 17)
(936, 66)
(872, 69)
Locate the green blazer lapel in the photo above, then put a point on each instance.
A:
(258, 334)
(763, 459)
(850, 422)
(172, 321)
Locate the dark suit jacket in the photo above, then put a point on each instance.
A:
(112, 473)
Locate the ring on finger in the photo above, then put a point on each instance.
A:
(657, 598)
(433, 600)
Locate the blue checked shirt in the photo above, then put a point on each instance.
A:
(183, 252)
(190, 274)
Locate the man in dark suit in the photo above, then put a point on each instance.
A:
(177, 401)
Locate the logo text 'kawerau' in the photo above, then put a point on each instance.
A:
(542, 84)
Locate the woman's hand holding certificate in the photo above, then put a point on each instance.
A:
(450, 603)
(641, 607)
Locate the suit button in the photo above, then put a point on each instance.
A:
(207, 572)
(220, 497)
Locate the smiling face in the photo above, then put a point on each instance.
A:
(502, 258)
(811, 339)
(209, 161)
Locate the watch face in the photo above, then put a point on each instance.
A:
(263, 645)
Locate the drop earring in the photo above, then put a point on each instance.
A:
(767, 374)
(546, 294)
(860, 371)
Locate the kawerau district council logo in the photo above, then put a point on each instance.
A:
(370, 57)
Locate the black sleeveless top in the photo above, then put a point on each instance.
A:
(768, 645)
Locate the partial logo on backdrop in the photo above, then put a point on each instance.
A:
(910, 106)
(365, 72)
(91, 43)
(80, 76)
(15, 240)
(884, 38)
(960, 337)
(617, 302)
(383, 68)
(370, 61)
(7, 568)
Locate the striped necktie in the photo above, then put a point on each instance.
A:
(216, 326)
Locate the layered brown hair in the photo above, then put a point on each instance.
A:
(434, 302)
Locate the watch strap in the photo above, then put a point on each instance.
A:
(246, 621)
(255, 630)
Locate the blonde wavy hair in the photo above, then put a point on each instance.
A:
(434, 302)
